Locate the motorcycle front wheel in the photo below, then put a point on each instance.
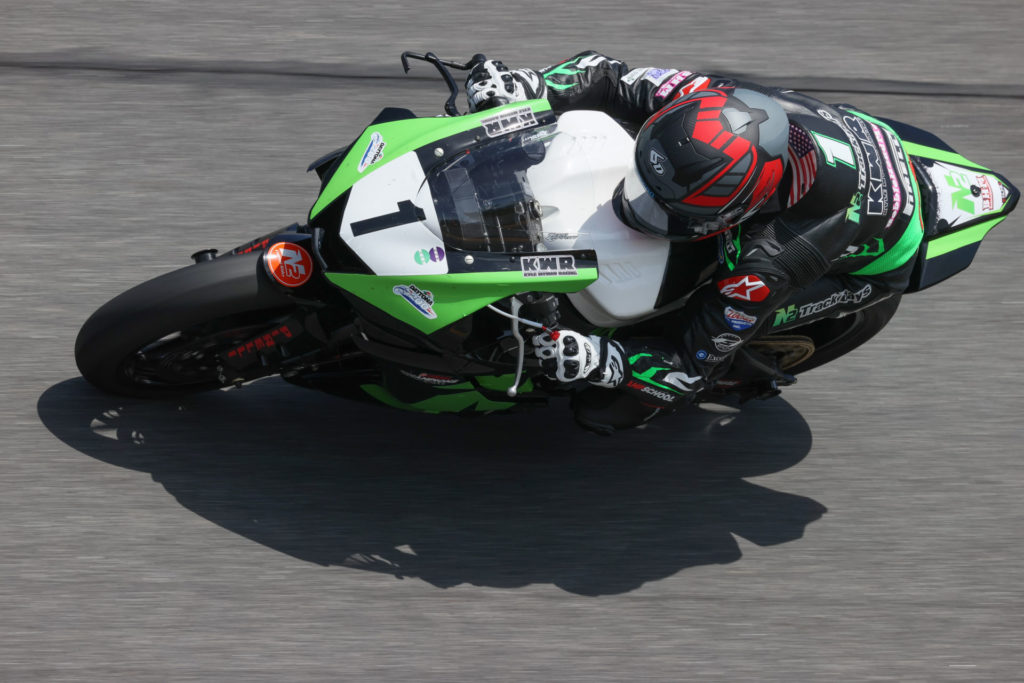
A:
(166, 337)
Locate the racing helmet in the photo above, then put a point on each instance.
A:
(705, 163)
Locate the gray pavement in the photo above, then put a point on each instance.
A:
(866, 527)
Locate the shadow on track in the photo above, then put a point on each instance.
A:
(501, 501)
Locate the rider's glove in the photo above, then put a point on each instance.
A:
(491, 84)
(570, 356)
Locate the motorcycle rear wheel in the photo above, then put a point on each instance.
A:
(164, 337)
(835, 337)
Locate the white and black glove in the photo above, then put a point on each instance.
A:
(570, 356)
(490, 84)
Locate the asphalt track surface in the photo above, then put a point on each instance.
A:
(866, 526)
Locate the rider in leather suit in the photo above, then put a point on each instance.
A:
(823, 223)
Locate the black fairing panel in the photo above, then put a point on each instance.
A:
(916, 135)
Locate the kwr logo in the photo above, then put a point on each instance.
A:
(548, 266)
(289, 264)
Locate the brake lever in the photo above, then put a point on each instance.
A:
(442, 65)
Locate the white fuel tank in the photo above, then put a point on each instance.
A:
(574, 185)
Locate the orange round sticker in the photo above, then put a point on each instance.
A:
(289, 264)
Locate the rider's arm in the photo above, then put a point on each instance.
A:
(594, 81)
(587, 81)
(774, 261)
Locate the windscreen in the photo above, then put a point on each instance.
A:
(483, 198)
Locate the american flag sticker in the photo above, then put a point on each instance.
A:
(803, 157)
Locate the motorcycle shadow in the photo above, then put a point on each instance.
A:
(500, 501)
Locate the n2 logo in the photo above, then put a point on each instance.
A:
(289, 264)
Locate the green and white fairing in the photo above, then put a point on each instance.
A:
(453, 213)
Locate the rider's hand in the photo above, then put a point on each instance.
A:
(491, 84)
(570, 356)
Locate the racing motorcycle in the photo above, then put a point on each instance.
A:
(438, 245)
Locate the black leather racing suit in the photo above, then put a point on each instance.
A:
(840, 233)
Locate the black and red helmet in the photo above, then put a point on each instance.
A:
(705, 163)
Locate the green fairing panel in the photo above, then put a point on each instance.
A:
(400, 137)
(456, 398)
(962, 238)
(925, 152)
(431, 302)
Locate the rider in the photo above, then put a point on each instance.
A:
(812, 204)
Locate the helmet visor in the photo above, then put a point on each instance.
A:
(646, 213)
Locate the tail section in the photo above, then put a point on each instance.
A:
(962, 201)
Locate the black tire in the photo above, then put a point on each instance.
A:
(128, 346)
(835, 337)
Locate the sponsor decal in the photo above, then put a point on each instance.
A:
(869, 166)
(658, 76)
(693, 86)
(706, 357)
(373, 153)
(289, 264)
(671, 83)
(269, 340)
(961, 197)
(633, 76)
(987, 203)
(421, 300)
(853, 210)
(738, 320)
(785, 315)
(548, 266)
(1004, 191)
(255, 246)
(656, 393)
(726, 342)
(656, 160)
(431, 378)
(744, 288)
(508, 121)
(792, 313)
(425, 256)
(897, 193)
(557, 236)
(903, 169)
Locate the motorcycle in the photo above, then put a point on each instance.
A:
(438, 245)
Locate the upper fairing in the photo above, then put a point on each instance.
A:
(391, 223)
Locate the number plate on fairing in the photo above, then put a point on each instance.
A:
(386, 221)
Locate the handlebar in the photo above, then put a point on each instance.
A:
(442, 65)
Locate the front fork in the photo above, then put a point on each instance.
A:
(291, 263)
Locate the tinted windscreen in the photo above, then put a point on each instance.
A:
(483, 198)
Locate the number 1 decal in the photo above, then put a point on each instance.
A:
(407, 213)
(834, 150)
